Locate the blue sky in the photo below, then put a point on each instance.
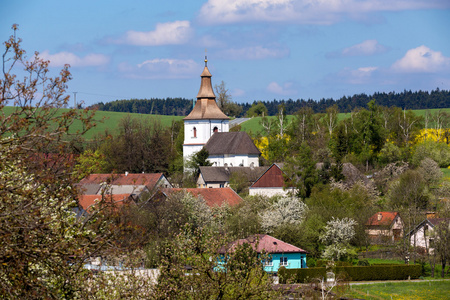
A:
(261, 49)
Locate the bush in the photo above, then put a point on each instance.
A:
(300, 275)
(363, 262)
(381, 272)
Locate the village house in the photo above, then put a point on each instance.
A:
(422, 235)
(126, 183)
(385, 227)
(219, 177)
(271, 183)
(280, 254)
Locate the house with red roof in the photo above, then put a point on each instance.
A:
(113, 202)
(280, 254)
(271, 183)
(214, 197)
(385, 226)
(126, 183)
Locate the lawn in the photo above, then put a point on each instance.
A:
(411, 290)
(446, 172)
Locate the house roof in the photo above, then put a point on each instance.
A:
(206, 106)
(222, 174)
(222, 143)
(272, 177)
(212, 196)
(265, 243)
(150, 180)
(382, 218)
(430, 222)
(87, 201)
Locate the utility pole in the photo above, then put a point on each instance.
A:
(75, 100)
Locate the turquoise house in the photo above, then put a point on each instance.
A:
(279, 253)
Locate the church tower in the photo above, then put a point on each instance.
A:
(205, 119)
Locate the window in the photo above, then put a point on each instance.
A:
(283, 261)
(215, 129)
(268, 262)
(195, 132)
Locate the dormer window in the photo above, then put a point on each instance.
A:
(195, 132)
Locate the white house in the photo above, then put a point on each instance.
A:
(422, 235)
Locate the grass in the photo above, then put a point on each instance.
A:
(446, 172)
(417, 290)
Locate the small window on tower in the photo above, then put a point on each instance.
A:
(215, 129)
(195, 132)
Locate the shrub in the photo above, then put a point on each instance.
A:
(381, 272)
(300, 275)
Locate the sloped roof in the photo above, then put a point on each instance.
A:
(222, 174)
(87, 201)
(266, 243)
(206, 106)
(212, 196)
(387, 217)
(222, 143)
(273, 177)
(150, 180)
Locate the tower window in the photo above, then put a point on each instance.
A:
(195, 132)
(215, 129)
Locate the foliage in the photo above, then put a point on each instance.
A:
(257, 109)
(337, 236)
(198, 159)
(286, 210)
(237, 273)
(381, 272)
(300, 275)
(439, 152)
(43, 245)
(224, 101)
(432, 174)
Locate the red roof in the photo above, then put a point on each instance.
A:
(149, 180)
(273, 177)
(87, 201)
(212, 196)
(382, 218)
(266, 243)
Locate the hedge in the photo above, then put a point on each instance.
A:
(381, 272)
(300, 275)
(353, 273)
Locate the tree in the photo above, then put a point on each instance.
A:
(257, 109)
(337, 236)
(199, 159)
(224, 101)
(287, 210)
(43, 246)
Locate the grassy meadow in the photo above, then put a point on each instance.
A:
(408, 290)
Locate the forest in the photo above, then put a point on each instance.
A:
(181, 106)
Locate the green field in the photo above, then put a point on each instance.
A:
(110, 120)
(414, 290)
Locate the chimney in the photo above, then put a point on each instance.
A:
(380, 216)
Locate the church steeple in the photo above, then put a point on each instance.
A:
(206, 89)
(206, 106)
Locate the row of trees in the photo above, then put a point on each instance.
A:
(181, 106)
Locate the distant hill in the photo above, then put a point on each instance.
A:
(181, 106)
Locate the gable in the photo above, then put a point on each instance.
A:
(273, 177)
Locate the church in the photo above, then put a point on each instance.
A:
(207, 126)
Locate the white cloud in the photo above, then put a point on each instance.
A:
(304, 11)
(253, 53)
(171, 33)
(62, 58)
(161, 68)
(237, 92)
(285, 90)
(422, 60)
(366, 48)
(361, 75)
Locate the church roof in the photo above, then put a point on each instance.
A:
(206, 106)
(223, 174)
(239, 142)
